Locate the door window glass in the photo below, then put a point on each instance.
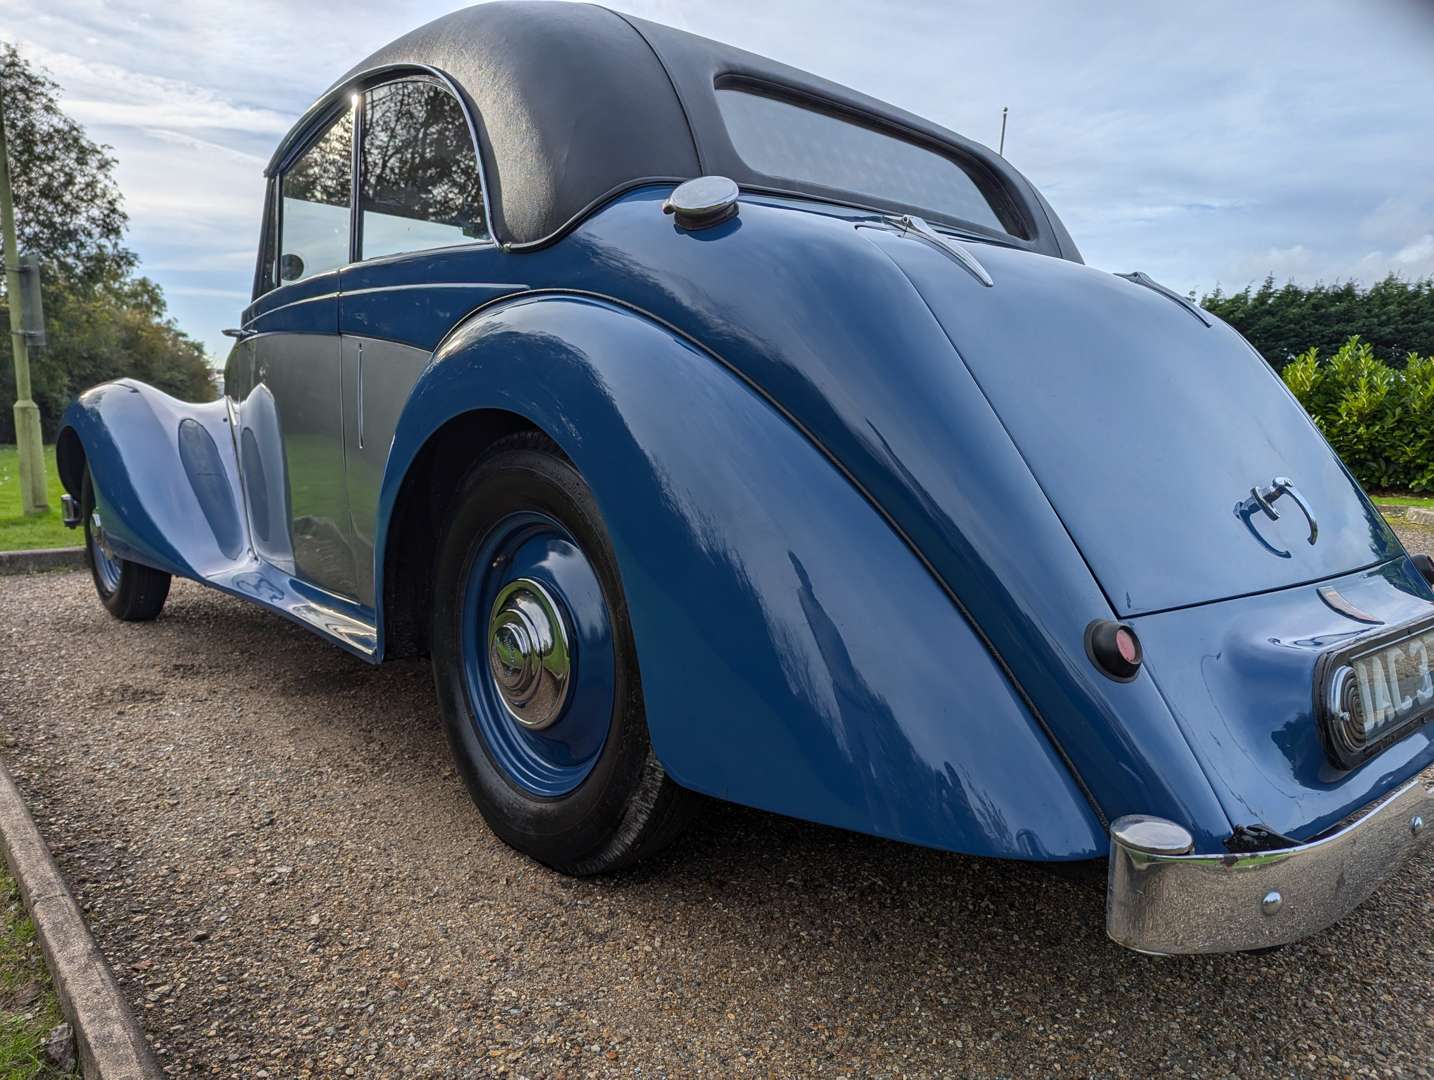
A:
(419, 177)
(317, 190)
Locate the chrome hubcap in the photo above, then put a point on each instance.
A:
(537, 654)
(528, 654)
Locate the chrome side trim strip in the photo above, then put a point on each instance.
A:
(1168, 903)
(428, 285)
(358, 395)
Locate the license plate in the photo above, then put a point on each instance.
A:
(1374, 691)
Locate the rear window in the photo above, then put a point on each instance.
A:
(807, 146)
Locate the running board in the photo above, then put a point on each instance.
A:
(333, 618)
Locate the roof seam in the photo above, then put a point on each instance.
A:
(682, 105)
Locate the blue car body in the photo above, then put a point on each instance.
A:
(865, 508)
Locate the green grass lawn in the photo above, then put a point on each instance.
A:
(29, 1010)
(18, 532)
(1403, 500)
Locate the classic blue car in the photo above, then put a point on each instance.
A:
(715, 428)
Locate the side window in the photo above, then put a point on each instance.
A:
(314, 226)
(418, 185)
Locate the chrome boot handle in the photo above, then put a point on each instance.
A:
(1264, 499)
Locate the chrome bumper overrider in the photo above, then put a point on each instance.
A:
(1161, 902)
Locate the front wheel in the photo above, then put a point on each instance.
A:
(129, 590)
(536, 670)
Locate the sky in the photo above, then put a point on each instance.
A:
(1206, 144)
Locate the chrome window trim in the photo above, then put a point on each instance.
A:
(359, 104)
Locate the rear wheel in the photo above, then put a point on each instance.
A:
(129, 590)
(536, 671)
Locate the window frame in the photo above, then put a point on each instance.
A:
(1018, 230)
(432, 77)
(320, 117)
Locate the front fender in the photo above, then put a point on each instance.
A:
(795, 654)
(164, 476)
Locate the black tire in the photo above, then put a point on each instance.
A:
(626, 807)
(138, 592)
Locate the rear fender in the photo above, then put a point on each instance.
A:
(795, 655)
(164, 476)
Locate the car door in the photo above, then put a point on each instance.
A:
(291, 439)
(425, 259)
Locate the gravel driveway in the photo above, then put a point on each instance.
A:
(279, 860)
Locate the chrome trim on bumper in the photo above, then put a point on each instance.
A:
(1167, 903)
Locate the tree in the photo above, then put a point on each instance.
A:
(1393, 317)
(102, 321)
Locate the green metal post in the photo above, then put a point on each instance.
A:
(27, 413)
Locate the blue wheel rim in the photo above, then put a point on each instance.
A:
(530, 548)
(107, 567)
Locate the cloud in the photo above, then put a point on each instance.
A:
(1294, 261)
(1418, 255)
(95, 92)
(1398, 216)
(179, 138)
(1300, 262)
(175, 113)
(239, 295)
(214, 260)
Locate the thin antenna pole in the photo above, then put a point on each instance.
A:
(1002, 148)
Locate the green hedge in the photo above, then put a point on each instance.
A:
(1379, 419)
(1395, 316)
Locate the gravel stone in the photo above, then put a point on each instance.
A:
(277, 856)
(60, 1047)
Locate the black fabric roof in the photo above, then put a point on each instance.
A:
(574, 102)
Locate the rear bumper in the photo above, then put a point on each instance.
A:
(1180, 903)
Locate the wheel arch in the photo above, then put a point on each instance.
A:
(419, 510)
(783, 627)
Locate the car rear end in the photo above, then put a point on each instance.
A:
(1285, 627)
